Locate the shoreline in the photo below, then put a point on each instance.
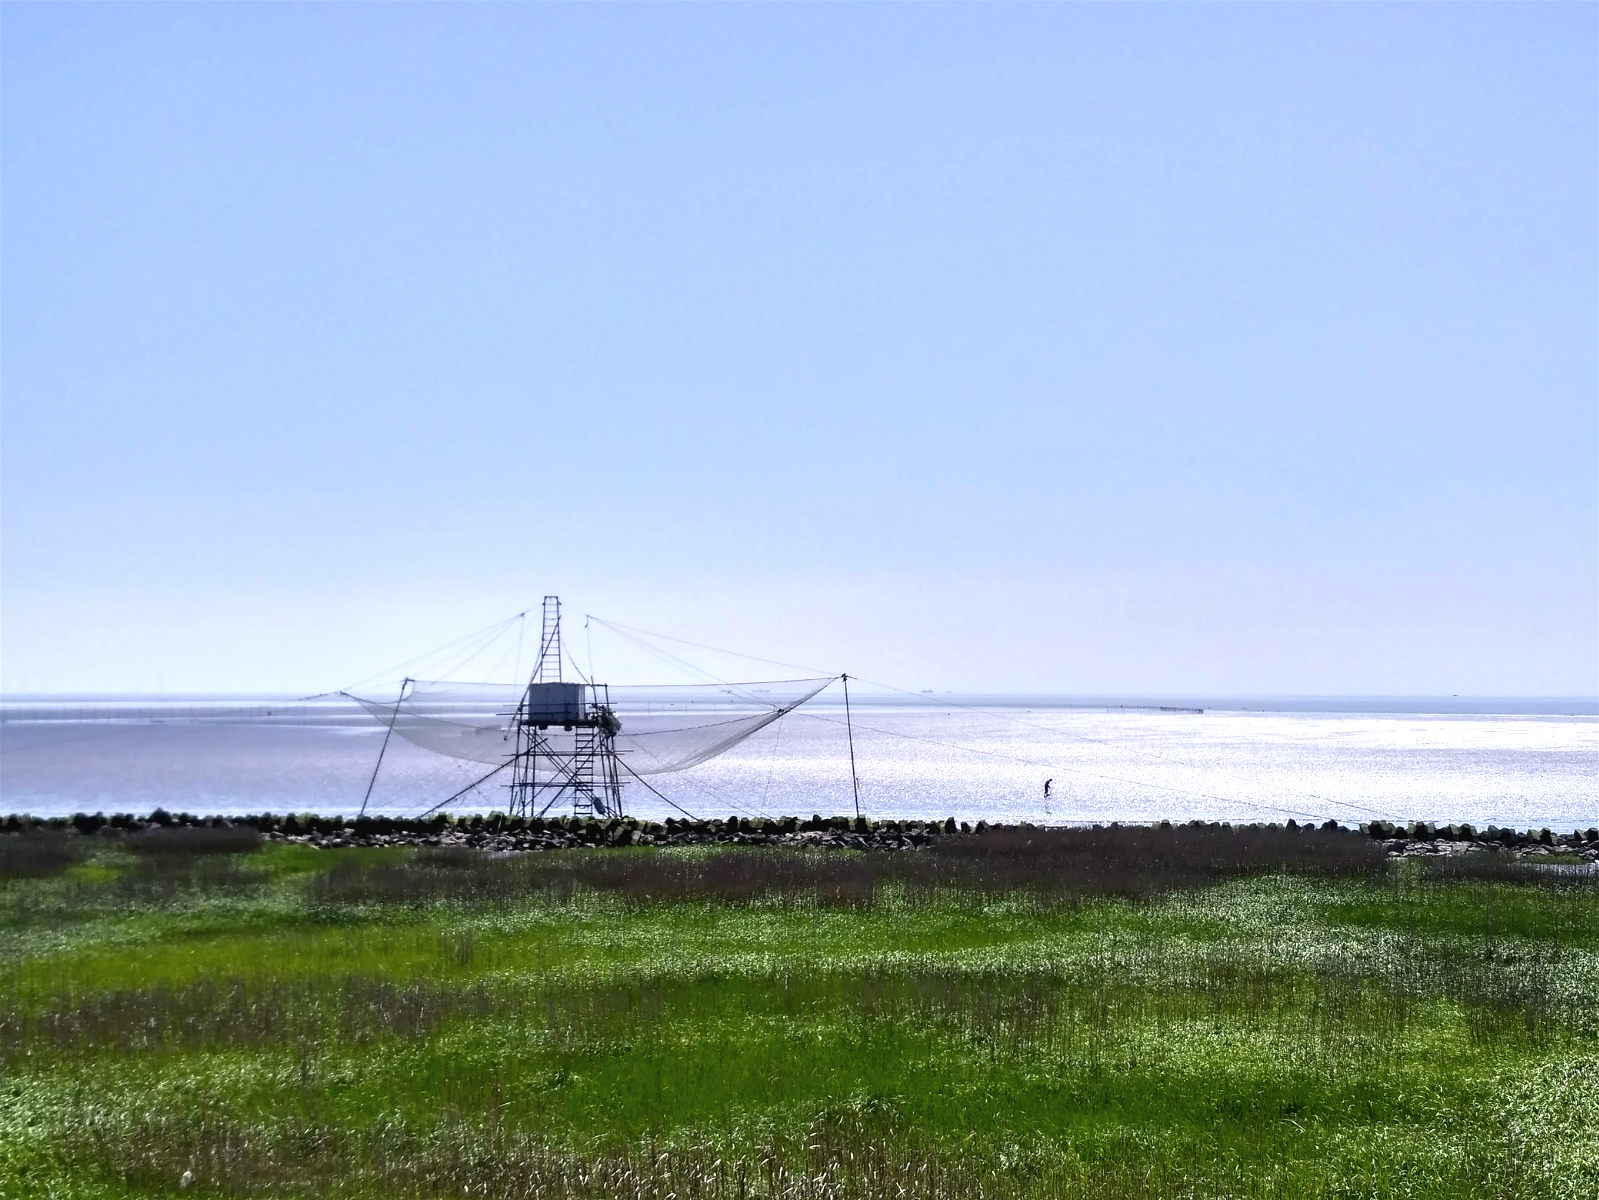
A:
(497, 833)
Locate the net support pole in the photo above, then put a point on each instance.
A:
(382, 750)
(849, 725)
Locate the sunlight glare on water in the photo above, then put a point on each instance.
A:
(1141, 766)
(1528, 769)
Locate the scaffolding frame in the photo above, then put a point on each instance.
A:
(565, 738)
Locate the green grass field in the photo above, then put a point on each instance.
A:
(250, 1024)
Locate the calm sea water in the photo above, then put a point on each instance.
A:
(1523, 763)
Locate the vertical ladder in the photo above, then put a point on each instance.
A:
(584, 752)
(548, 668)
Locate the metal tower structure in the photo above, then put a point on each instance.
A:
(565, 737)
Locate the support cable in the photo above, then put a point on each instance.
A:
(446, 776)
(771, 662)
(771, 768)
(500, 662)
(488, 633)
(655, 789)
(521, 630)
(733, 806)
(733, 688)
(572, 659)
(664, 655)
(479, 780)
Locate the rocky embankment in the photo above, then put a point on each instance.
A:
(1423, 838)
(498, 833)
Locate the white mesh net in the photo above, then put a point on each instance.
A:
(663, 727)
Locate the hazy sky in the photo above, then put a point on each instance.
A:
(1162, 348)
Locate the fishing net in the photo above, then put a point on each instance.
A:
(447, 739)
(662, 727)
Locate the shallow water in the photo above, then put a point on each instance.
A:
(1274, 759)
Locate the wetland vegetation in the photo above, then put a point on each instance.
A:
(1113, 1013)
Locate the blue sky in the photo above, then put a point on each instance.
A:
(1061, 348)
